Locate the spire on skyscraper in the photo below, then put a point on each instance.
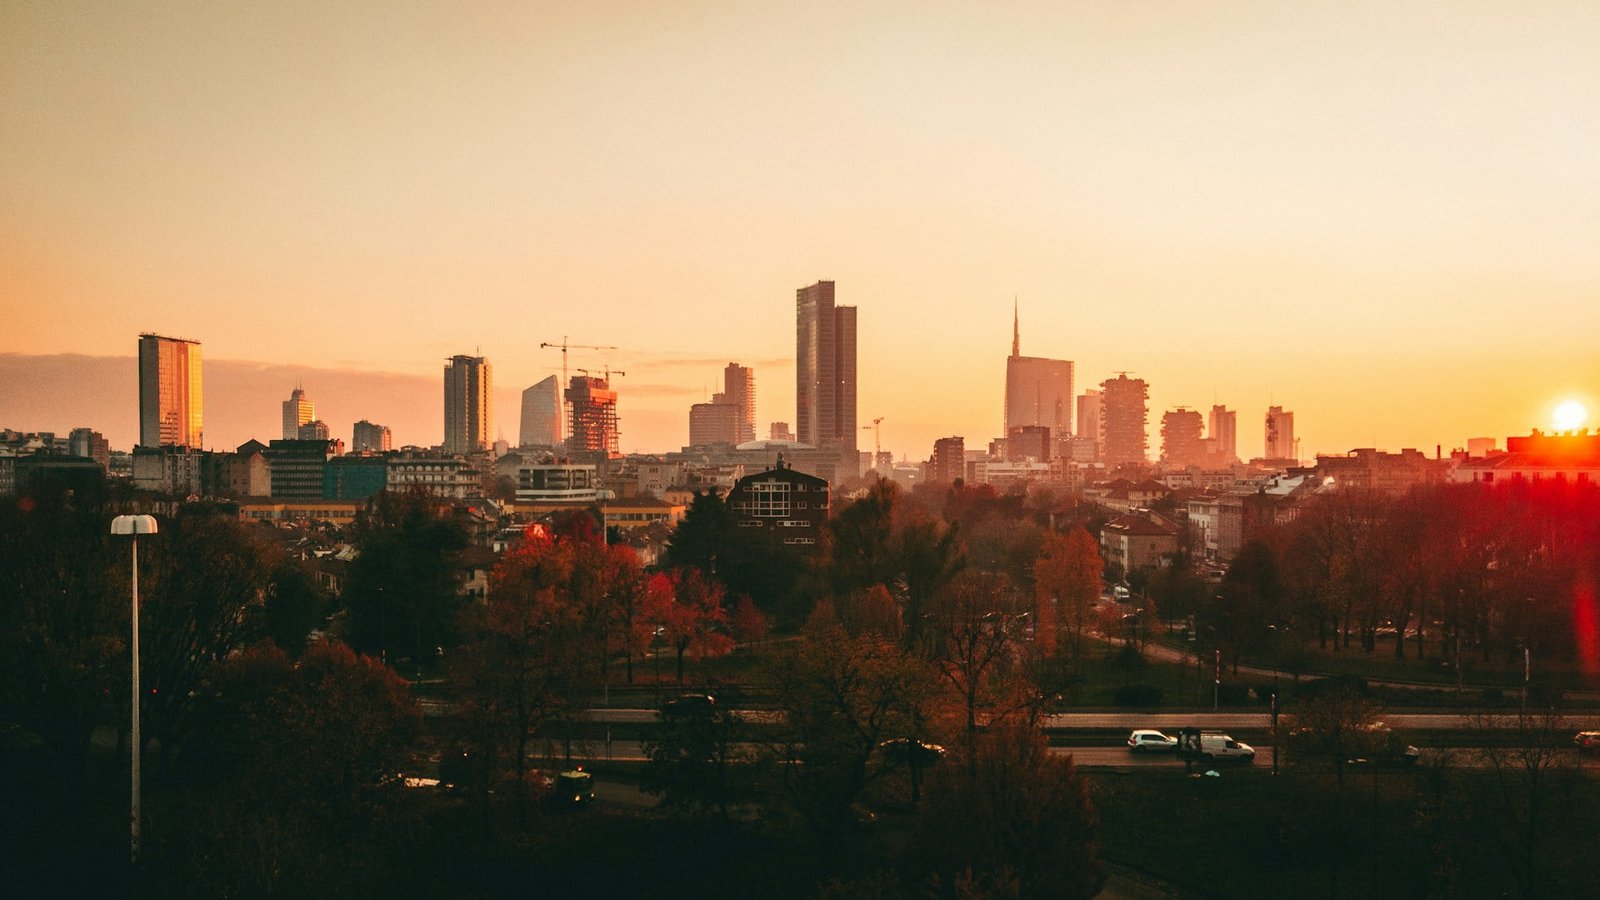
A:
(1016, 329)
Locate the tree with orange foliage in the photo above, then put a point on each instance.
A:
(1068, 571)
(688, 609)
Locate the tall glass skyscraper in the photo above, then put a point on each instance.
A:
(1038, 390)
(171, 407)
(825, 368)
(541, 414)
(468, 404)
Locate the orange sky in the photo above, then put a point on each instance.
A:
(1385, 217)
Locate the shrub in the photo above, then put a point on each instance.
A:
(1137, 695)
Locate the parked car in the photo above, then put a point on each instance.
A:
(1146, 740)
(1587, 741)
(689, 705)
(571, 789)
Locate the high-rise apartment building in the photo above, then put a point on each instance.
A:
(1223, 433)
(712, 423)
(594, 416)
(370, 438)
(90, 444)
(1280, 434)
(825, 368)
(1180, 438)
(1123, 418)
(297, 411)
(468, 404)
(541, 414)
(1038, 390)
(739, 390)
(949, 460)
(730, 417)
(171, 407)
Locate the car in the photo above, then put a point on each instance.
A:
(1587, 741)
(911, 752)
(1147, 740)
(689, 705)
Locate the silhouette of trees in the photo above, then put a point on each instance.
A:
(402, 590)
(1068, 573)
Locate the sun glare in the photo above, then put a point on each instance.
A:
(1569, 415)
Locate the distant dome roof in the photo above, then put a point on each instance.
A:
(774, 445)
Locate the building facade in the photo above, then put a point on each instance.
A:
(825, 368)
(1279, 443)
(468, 404)
(594, 416)
(1038, 390)
(949, 461)
(297, 411)
(1180, 438)
(541, 415)
(713, 423)
(171, 400)
(370, 438)
(792, 505)
(1123, 417)
(1223, 435)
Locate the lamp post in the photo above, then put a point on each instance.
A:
(133, 526)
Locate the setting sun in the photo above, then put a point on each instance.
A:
(1569, 415)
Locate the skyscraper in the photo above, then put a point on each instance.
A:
(949, 461)
(171, 408)
(1088, 426)
(1122, 420)
(594, 416)
(825, 368)
(1038, 390)
(1223, 429)
(739, 389)
(468, 404)
(712, 423)
(1280, 434)
(1180, 438)
(541, 414)
(297, 411)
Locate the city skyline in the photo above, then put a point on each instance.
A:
(1220, 200)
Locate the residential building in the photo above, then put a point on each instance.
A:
(712, 423)
(1137, 542)
(295, 467)
(297, 411)
(791, 504)
(1038, 390)
(557, 483)
(1180, 438)
(443, 476)
(169, 469)
(468, 404)
(1223, 435)
(371, 438)
(949, 461)
(90, 444)
(1571, 458)
(1123, 419)
(1367, 469)
(1280, 443)
(541, 415)
(825, 368)
(354, 477)
(171, 400)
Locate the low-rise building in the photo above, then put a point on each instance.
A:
(1135, 542)
(789, 503)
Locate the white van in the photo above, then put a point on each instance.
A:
(1217, 746)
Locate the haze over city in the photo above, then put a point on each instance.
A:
(1384, 219)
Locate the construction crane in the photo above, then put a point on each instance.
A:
(607, 372)
(877, 438)
(564, 347)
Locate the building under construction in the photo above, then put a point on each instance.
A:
(594, 416)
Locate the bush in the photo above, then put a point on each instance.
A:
(1233, 694)
(1137, 695)
(1320, 687)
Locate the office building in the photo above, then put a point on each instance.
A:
(1038, 390)
(1223, 435)
(594, 416)
(297, 411)
(90, 444)
(468, 404)
(1028, 442)
(371, 438)
(1280, 435)
(314, 430)
(171, 407)
(779, 431)
(712, 423)
(825, 368)
(541, 415)
(1123, 419)
(1181, 444)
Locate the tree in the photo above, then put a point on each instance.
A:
(975, 643)
(697, 763)
(402, 590)
(688, 609)
(519, 668)
(1067, 573)
(291, 775)
(1249, 604)
(295, 604)
(1017, 813)
(841, 697)
(931, 555)
(861, 546)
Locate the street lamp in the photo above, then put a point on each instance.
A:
(133, 526)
